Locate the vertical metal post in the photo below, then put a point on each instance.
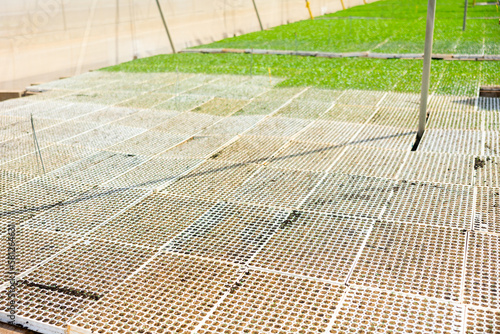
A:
(342, 2)
(429, 35)
(465, 14)
(258, 16)
(166, 27)
(37, 147)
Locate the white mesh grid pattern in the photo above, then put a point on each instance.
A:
(154, 173)
(368, 161)
(220, 107)
(14, 127)
(146, 119)
(10, 179)
(349, 113)
(330, 132)
(197, 147)
(483, 273)
(149, 143)
(104, 136)
(455, 120)
(452, 103)
(488, 171)
(371, 311)
(187, 123)
(283, 188)
(251, 149)
(229, 232)
(431, 203)
(272, 303)
(386, 137)
(38, 109)
(148, 100)
(232, 125)
(451, 141)
(65, 131)
(423, 260)
(401, 100)
(439, 167)
(351, 195)
(183, 102)
(171, 294)
(480, 321)
(314, 245)
(154, 221)
(213, 180)
(396, 117)
(84, 212)
(306, 156)
(279, 127)
(492, 144)
(35, 197)
(32, 247)
(109, 114)
(15, 148)
(361, 98)
(300, 108)
(487, 215)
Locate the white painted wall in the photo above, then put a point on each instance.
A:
(42, 40)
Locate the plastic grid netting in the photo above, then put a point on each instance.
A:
(154, 221)
(149, 100)
(402, 100)
(171, 294)
(488, 171)
(423, 260)
(349, 113)
(386, 137)
(84, 212)
(283, 188)
(481, 321)
(396, 117)
(370, 311)
(452, 103)
(452, 120)
(65, 131)
(72, 280)
(304, 109)
(99, 168)
(12, 127)
(220, 107)
(279, 127)
(33, 246)
(72, 111)
(213, 180)
(10, 179)
(229, 232)
(109, 115)
(439, 167)
(187, 123)
(104, 136)
(350, 195)
(146, 119)
(272, 303)
(369, 161)
(15, 148)
(251, 149)
(330, 132)
(54, 157)
(487, 214)
(149, 143)
(482, 277)
(431, 203)
(314, 245)
(197, 147)
(361, 98)
(154, 173)
(306, 156)
(492, 144)
(35, 197)
(232, 125)
(183, 102)
(452, 141)
(38, 109)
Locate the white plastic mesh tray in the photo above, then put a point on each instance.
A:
(481, 321)
(314, 245)
(483, 273)
(370, 311)
(251, 149)
(487, 214)
(423, 260)
(171, 294)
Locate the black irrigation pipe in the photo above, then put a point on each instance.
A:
(365, 54)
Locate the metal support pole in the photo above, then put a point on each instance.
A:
(166, 27)
(465, 14)
(429, 34)
(342, 2)
(37, 147)
(258, 16)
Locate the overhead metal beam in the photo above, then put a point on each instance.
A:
(426, 74)
(166, 27)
